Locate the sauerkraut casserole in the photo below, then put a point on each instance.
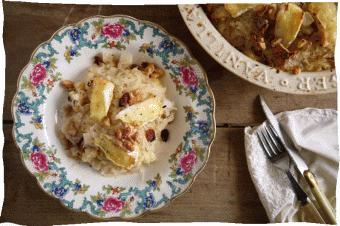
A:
(116, 115)
(292, 37)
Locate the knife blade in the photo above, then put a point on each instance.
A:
(325, 207)
(295, 156)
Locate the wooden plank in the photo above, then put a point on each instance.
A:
(223, 192)
(235, 98)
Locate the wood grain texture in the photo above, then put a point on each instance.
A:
(223, 192)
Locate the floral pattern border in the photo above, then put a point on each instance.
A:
(40, 77)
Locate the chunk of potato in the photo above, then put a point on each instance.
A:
(101, 98)
(288, 23)
(237, 10)
(142, 113)
(325, 14)
(118, 156)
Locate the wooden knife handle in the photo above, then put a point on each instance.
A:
(324, 204)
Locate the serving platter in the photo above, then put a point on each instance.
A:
(255, 72)
(67, 55)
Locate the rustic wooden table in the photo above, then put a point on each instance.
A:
(223, 192)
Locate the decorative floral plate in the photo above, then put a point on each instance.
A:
(238, 63)
(67, 55)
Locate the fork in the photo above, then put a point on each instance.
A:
(276, 153)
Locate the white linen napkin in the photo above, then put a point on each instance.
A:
(314, 133)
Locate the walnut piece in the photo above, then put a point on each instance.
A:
(68, 84)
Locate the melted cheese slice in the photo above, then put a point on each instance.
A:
(101, 97)
(237, 10)
(325, 14)
(288, 23)
(115, 154)
(142, 113)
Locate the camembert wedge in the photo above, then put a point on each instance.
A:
(324, 14)
(142, 113)
(288, 23)
(120, 157)
(101, 98)
(237, 10)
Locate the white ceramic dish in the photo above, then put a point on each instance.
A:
(67, 55)
(238, 63)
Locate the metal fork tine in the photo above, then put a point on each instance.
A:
(272, 130)
(264, 145)
(271, 136)
(269, 142)
(276, 138)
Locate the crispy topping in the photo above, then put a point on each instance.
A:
(261, 10)
(259, 42)
(276, 42)
(302, 43)
(280, 54)
(262, 45)
(272, 12)
(262, 24)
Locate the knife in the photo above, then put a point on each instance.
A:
(320, 197)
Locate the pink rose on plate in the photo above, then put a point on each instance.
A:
(189, 76)
(112, 30)
(38, 74)
(188, 161)
(39, 161)
(113, 204)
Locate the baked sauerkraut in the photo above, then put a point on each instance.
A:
(292, 37)
(114, 117)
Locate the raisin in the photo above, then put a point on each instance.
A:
(98, 60)
(150, 135)
(124, 100)
(165, 135)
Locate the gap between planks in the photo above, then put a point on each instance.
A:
(7, 121)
